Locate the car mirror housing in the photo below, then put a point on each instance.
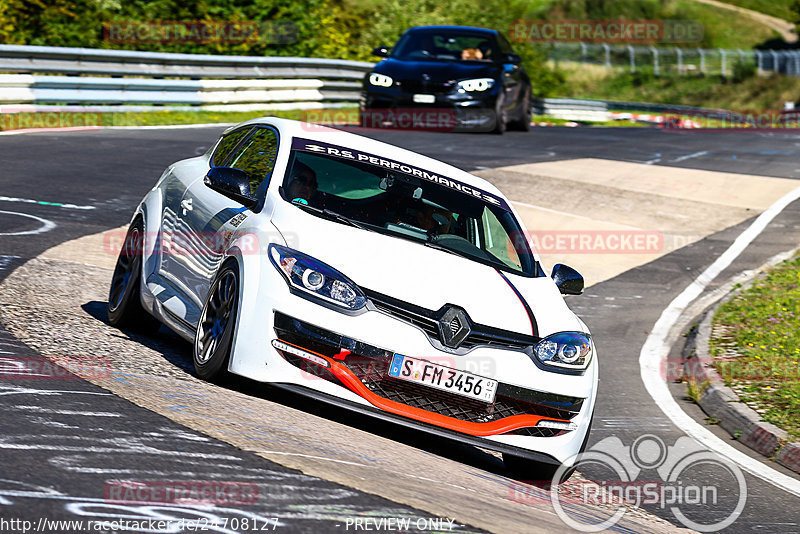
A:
(568, 280)
(233, 183)
(380, 51)
(514, 59)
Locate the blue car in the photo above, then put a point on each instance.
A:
(448, 77)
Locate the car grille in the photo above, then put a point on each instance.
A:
(425, 320)
(370, 365)
(431, 88)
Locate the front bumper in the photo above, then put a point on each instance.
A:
(372, 337)
(363, 369)
(393, 108)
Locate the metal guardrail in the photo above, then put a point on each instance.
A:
(600, 110)
(672, 59)
(86, 76)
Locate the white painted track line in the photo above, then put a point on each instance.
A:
(656, 348)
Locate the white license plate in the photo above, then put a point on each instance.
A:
(444, 378)
(424, 99)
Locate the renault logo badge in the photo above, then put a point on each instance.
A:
(454, 326)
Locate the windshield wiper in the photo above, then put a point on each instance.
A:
(333, 215)
(437, 246)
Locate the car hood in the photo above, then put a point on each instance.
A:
(439, 71)
(426, 277)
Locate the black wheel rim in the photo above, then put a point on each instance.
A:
(125, 271)
(215, 317)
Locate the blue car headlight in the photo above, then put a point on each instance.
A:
(478, 84)
(568, 350)
(316, 279)
(381, 80)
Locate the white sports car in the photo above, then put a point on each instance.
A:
(367, 276)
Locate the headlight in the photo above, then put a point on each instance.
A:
(380, 80)
(478, 84)
(568, 350)
(311, 276)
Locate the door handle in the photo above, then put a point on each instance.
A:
(186, 204)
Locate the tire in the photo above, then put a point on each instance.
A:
(214, 338)
(500, 121)
(532, 470)
(524, 122)
(124, 295)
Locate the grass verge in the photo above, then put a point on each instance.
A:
(62, 119)
(756, 346)
(743, 91)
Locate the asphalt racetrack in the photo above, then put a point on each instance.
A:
(66, 444)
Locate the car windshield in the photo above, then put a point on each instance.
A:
(406, 202)
(445, 45)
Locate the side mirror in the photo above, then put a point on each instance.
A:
(514, 59)
(380, 51)
(568, 280)
(233, 183)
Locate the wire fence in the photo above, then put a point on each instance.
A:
(675, 60)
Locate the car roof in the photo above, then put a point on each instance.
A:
(443, 27)
(316, 132)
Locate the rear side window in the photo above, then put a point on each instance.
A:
(227, 144)
(257, 157)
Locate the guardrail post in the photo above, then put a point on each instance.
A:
(655, 59)
(680, 61)
(722, 56)
(759, 62)
(774, 60)
(702, 60)
(633, 58)
(583, 52)
(607, 51)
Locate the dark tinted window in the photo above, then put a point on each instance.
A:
(505, 46)
(256, 156)
(448, 45)
(408, 207)
(226, 146)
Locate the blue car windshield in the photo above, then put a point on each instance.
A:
(399, 200)
(445, 45)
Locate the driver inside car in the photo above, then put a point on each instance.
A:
(303, 186)
(428, 218)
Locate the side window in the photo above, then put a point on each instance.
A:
(497, 241)
(257, 156)
(505, 47)
(227, 145)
